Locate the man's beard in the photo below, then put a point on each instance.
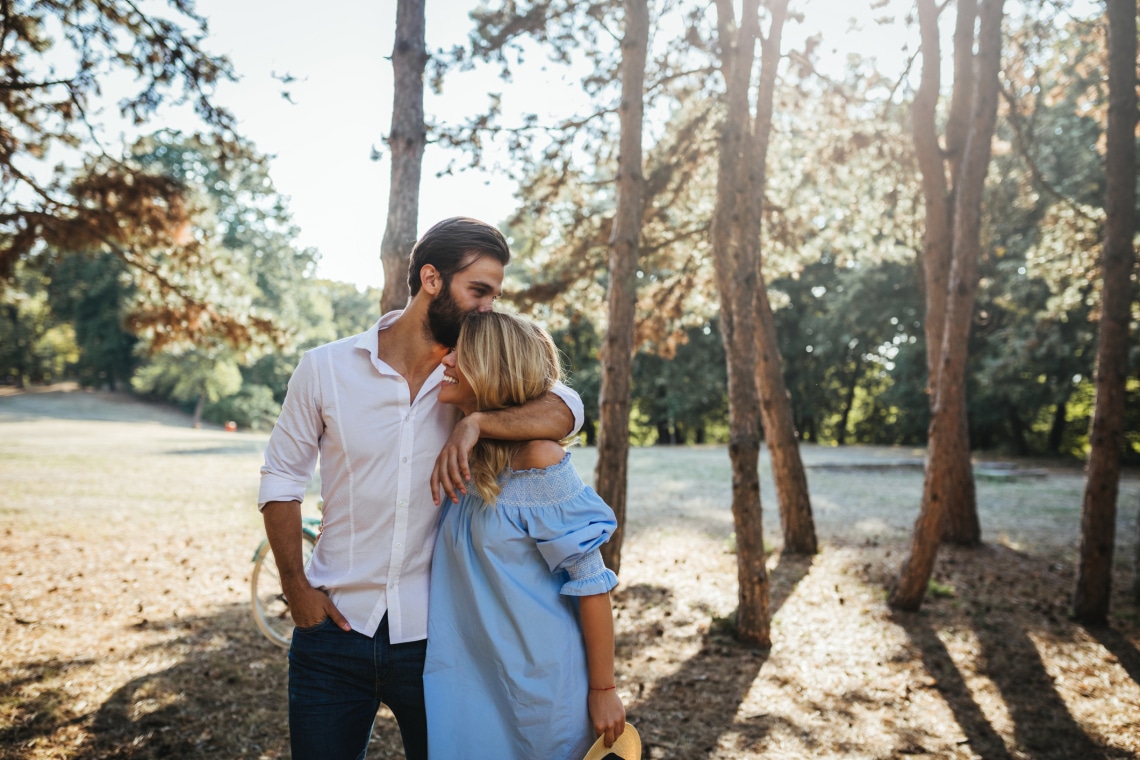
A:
(444, 318)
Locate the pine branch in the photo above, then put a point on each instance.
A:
(1034, 171)
(23, 86)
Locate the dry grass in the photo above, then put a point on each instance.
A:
(125, 628)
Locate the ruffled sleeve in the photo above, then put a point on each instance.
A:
(589, 576)
(568, 521)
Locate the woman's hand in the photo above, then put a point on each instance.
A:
(607, 714)
(452, 471)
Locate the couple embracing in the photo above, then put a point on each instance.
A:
(437, 432)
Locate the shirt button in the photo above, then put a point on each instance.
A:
(404, 460)
(398, 545)
(403, 503)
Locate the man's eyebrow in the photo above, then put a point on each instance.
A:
(482, 285)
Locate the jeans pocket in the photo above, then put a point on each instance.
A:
(312, 628)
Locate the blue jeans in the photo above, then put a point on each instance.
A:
(337, 681)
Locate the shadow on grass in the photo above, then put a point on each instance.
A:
(980, 735)
(687, 712)
(1043, 726)
(1121, 648)
(33, 706)
(226, 697)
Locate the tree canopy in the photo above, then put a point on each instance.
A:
(65, 188)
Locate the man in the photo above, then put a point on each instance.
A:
(367, 405)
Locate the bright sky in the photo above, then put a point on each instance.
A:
(342, 106)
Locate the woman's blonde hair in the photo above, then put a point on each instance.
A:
(508, 361)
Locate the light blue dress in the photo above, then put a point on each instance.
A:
(505, 675)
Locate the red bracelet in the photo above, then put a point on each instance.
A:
(608, 688)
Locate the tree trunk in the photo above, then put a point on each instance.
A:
(960, 523)
(406, 144)
(849, 401)
(198, 407)
(788, 472)
(1057, 429)
(775, 403)
(1098, 507)
(945, 451)
(610, 474)
(1017, 430)
(736, 282)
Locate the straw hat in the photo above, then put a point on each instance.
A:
(627, 747)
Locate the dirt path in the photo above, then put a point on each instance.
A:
(125, 628)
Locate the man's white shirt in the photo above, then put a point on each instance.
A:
(377, 447)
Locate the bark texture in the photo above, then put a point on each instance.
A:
(406, 144)
(788, 472)
(736, 273)
(1098, 506)
(947, 446)
(940, 184)
(611, 471)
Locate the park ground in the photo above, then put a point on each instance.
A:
(125, 629)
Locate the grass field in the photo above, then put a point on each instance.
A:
(125, 628)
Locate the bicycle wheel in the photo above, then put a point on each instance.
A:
(270, 608)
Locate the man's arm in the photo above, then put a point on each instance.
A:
(545, 418)
(289, 460)
(307, 605)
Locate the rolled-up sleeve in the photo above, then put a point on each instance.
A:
(291, 455)
(573, 402)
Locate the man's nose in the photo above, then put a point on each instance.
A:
(486, 306)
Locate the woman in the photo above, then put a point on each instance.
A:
(520, 628)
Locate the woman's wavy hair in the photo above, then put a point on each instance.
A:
(508, 361)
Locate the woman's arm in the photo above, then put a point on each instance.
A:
(606, 710)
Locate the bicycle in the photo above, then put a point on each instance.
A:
(270, 607)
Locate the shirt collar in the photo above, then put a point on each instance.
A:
(369, 341)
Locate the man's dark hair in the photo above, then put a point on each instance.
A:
(448, 246)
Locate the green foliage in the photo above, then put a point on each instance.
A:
(189, 375)
(250, 234)
(1132, 420)
(92, 292)
(247, 239)
(64, 190)
(252, 407)
(676, 400)
(845, 332)
(34, 347)
(940, 590)
(684, 394)
(579, 342)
